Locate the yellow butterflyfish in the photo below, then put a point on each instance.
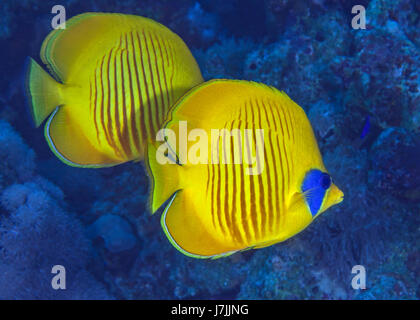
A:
(115, 76)
(247, 174)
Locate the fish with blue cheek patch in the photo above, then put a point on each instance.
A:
(318, 191)
(213, 209)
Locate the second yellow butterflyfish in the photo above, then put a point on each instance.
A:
(115, 76)
(238, 168)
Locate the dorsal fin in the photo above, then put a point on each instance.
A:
(62, 49)
(230, 96)
(62, 46)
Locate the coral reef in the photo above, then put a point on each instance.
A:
(394, 163)
(225, 58)
(37, 233)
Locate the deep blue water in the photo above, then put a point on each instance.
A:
(361, 91)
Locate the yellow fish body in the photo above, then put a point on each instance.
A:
(116, 76)
(218, 208)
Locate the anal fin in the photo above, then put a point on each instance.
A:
(188, 234)
(68, 142)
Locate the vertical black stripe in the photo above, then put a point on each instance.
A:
(152, 80)
(261, 208)
(106, 127)
(95, 117)
(244, 208)
(280, 214)
(161, 109)
(140, 111)
(265, 219)
(219, 210)
(208, 178)
(285, 149)
(102, 108)
(167, 88)
(116, 123)
(134, 132)
(286, 156)
(283, 186)
(226, 177)
(110, 107)
(276, 197)
(148, 121)
(171, 57)
(284, 121)
(290, 125)
(271, 194)
(252, 198)
(292, 135)
(233, 214)
(270, 115)
(213, 186)
(125, 134)
(276, 108)
(90, 95)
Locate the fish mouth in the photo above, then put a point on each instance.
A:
(339, 195)
(340, 198)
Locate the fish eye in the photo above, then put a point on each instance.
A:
(325, 181)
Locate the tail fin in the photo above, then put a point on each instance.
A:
(164, 177)
(43, 92)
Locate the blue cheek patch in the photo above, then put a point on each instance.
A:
(313, 186)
